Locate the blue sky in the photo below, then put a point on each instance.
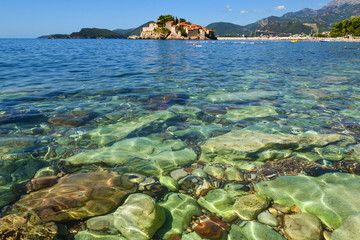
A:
(32, 18)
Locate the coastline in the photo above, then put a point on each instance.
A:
(289, 39)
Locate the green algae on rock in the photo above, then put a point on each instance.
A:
(249, 206)
(219, 202)
(142, 155)
(91, 235)
(111, 133)
(331, 197)
(179, 210)
(249, 145)
(350, 229)
(139, 217)
(253, 231)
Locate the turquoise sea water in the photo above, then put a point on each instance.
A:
(150, 107)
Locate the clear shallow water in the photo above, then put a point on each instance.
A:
(69, 98)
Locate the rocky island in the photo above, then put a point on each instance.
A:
(170, 28)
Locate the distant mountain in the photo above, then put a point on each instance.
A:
(132, 31)
(293, 22)
(88, 33)
(227, 29)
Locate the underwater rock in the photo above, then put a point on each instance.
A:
(91, 235)
(268, 219)
(101, 223)
(263, 111)
(170, 183)
(252, 95)
(233, 174)
(179, 210)
(178, 174)
(244, 144)
(151, 157)
(249, 206)
(111, 133)
(73, 119)
(40, 183)
(219, 202)
(253, 231)
(79, 196)
(139, 217)
(14, 175)
(303, 226)
(350, 229)
(214, 171)
(26, 225)
(331, 197)
(209, 227)
(199, 172)
(23, 115)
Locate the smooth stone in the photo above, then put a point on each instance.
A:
(101, 223)
(331, 197)
(273, 211)
(255, 145)
(219, 202)
(44, 172)
(251, 95)
(80, 195)
(110, 133)
(235, 190)
(151, 157)
(216, 172)
(170, 183)
(252, 112)
(233, 174)
(303, 226)
(195, 236)
(350, 229)
(249, 206)
(268, 219)
(179, 210)
(253, 231)
(139, 217)
(179, 173)
(91, 235)
(199, 172)
(282, 208)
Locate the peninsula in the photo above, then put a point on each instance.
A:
(170, 28)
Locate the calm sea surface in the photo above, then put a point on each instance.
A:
(60, 99)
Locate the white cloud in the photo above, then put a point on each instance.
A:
(280, 8)
(243, 12)
(228, 8)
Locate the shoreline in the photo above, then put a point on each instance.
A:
(289, 39)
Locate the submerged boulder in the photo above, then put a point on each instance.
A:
(179, 210)
(139, 217)
(259, 146)
(332, 197)
(79, 196)
(151, 157)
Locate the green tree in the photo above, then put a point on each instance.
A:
(164, 18)
(346, 27)
(182, 20)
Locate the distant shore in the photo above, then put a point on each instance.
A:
(290, 39)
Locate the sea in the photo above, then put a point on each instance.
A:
(150, 107)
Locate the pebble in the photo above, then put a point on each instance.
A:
(170, 183)
(199, 172)
(282, 208)
(268, 219)
(273, 211)
(214, 171)
(232, 174)
(179, 173)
